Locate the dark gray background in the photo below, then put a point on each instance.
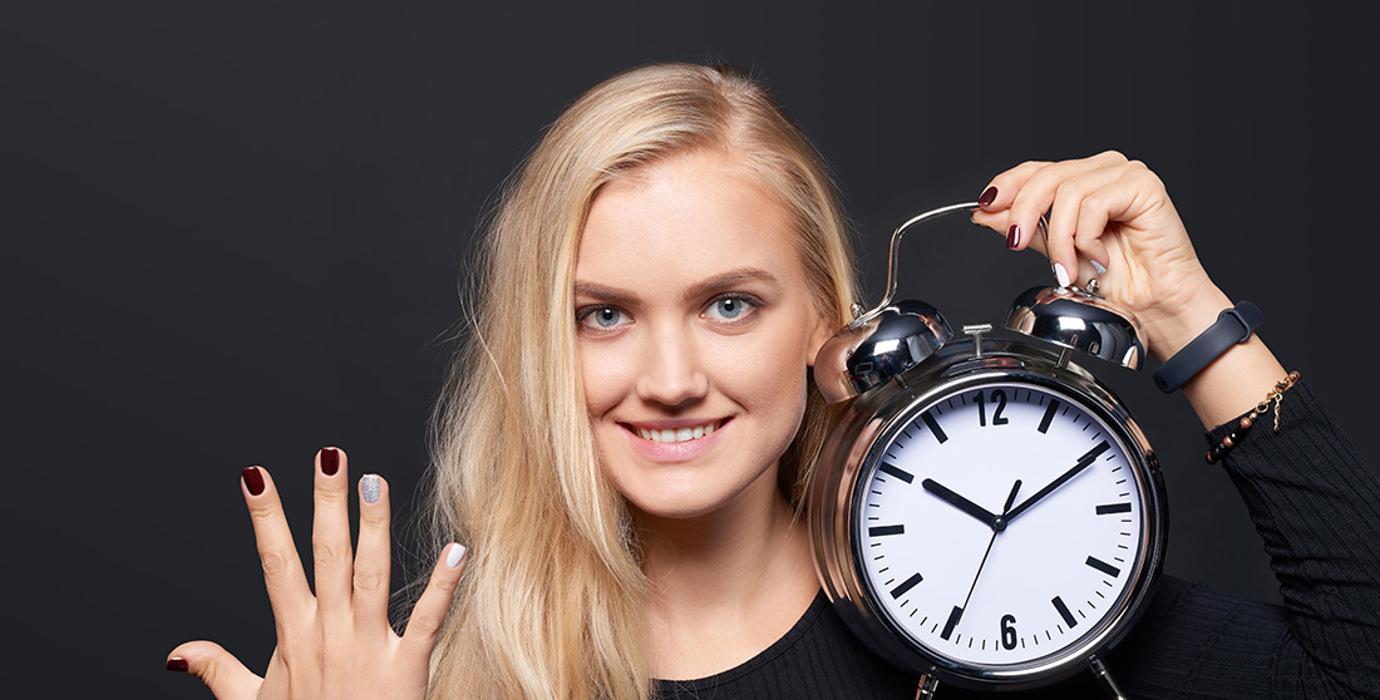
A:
(232, 233)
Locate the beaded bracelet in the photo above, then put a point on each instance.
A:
(1275, 397)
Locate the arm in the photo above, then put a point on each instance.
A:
(1315, 505)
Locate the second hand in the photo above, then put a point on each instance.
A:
(1015, 488)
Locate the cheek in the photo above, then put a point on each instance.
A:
(607, 374)
(768, 374)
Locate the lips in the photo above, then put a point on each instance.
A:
(674, 441)
(683, 434)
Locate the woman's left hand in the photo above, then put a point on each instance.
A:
(1116, 212)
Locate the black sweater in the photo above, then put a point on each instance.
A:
(1317, 508)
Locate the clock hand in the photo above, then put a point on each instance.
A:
(948, 495)
(958, 612)
(1088, 458)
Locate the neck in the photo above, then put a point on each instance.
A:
(725, 585)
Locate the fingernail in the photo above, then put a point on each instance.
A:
(330, 460)
(1013, 237)
(177, 663)
(369, 488)
(1061, 275)
(455, 555)
(989, 195)
(253, 480)
(1101, 269)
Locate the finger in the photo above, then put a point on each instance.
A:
(1038, 195)
(1093, 219)
(330, 533)
(373, 560)
(995, 201)
(1001, 191)
(430, 612)
(227, 678)
(283, 576)
(1078, 215)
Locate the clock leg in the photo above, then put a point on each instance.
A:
(1100, 670)
(927, 688)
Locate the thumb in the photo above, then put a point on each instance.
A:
(227, 678)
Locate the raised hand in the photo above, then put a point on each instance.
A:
(1114, 212)
(1117, 213)
(336, 644)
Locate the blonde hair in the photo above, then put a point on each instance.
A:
(551, 602)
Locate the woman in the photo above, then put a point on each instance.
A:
(625, 439)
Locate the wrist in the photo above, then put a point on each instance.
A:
(1171, 325)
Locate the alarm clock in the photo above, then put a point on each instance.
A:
(986, 513)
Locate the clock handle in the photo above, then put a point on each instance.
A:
(1100, 670)
(893, 258)
(928, 686)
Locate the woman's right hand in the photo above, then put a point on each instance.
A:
(338, 643)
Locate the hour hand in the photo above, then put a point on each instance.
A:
(959, 502)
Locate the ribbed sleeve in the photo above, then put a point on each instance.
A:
(1317, 507)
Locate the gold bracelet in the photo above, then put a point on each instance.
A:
(1274, 398)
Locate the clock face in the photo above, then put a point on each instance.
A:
(1000, 525)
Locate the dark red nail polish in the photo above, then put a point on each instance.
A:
(330, 461)
(178, 664)
(1013, 237)
(988, 196)
(253, 480)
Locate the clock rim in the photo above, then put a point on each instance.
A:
(873, 421)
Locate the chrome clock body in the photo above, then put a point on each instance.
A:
(914, 470)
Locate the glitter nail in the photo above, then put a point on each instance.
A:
(369, 488)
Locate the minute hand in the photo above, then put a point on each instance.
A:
(1088, 458)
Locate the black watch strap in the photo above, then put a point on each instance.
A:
(1233, 326)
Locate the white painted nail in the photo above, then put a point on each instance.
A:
(455, 555)
(1101, 269)
(1061, 275)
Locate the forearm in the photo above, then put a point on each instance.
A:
(1317, 507)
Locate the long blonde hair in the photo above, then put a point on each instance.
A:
(551, 603)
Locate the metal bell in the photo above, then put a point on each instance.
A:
(1081, 320)
(877, 347)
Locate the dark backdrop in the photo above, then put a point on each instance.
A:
(232, 233)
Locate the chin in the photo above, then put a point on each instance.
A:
(691, 494)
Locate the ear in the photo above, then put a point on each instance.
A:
(824, 329)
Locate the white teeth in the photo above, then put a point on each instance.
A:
(680, 435)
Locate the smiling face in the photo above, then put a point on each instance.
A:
(696, 327)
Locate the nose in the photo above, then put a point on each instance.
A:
(673, 373)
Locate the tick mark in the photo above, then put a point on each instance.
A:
(1063, 612)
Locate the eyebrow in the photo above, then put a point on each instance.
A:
(698, 290)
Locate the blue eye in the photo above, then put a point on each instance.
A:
(602, 318)
(606, 317)
(731, 308)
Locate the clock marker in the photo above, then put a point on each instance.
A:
(1069, 619)
(937, 431)
(1049, 415)
(1103, 566)
(884, 530)
(949, 626)
(897, 472)
(1111, 508)
(906, 585)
